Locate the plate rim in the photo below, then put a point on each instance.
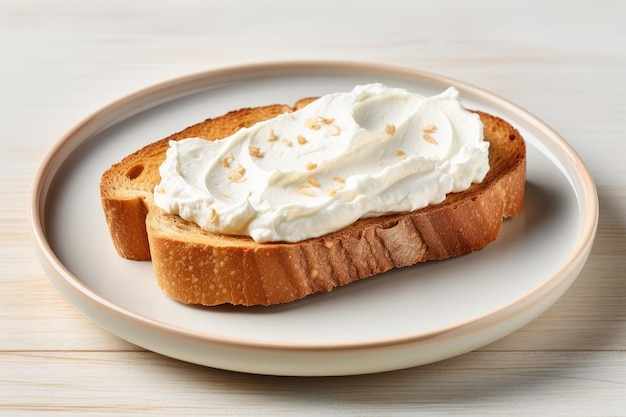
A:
(156, 94)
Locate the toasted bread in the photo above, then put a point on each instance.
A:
(198, 267)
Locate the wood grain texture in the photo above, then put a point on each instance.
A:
(478, 383)
(62, 60)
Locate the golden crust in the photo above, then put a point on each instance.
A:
(197, 267)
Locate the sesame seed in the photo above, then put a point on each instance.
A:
(314, 182)
(272, 137)
(429, 128)
(227, 161)
(237, 174)
(255, 152)
(336, 130)
(214, 216)
(288, 143)
(310, 166)
(429, 138)
(312, 124)
(301, 140)
(306, 190)
(340, 180)
(390, 129)
(400, 154)
(315, 124)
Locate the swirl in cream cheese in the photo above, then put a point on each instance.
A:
(372, 151)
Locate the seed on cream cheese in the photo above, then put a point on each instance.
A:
(316, 123)
(255, 152)
(314, 182)
(312, 124)
(336, 130)
(429, 139)
(237, 174)
(227, 160)
(306, 190)
(214, 216)
(344, 166)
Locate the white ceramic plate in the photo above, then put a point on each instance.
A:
(399, 319)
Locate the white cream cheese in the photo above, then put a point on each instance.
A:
(372, 151)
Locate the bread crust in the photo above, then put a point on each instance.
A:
(198, 267)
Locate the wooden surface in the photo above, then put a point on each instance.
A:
(564, 62)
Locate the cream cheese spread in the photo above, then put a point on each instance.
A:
(372, 151)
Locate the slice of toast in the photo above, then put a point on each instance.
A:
(198, 267)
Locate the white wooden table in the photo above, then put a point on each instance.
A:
(564, 62)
